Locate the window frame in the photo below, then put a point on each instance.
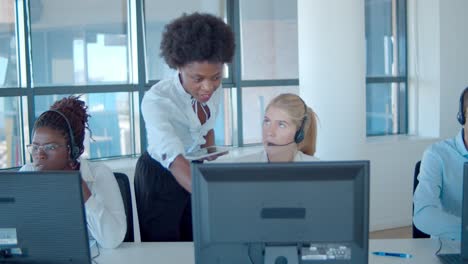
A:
(400, 23)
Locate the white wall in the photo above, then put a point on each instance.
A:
(453, 60)
(332, 81)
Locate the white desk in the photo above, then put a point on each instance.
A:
(182, 252)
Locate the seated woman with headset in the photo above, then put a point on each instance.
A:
(289, 132)
(57, 143)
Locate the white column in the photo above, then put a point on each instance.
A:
(332, 73)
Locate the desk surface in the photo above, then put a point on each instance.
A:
(182, 252)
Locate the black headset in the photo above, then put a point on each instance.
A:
(461, 111)
(299, 136)
(74, 149)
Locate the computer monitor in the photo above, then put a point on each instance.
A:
(464, 229)
(462, 257)
(311, 212)
(42, 218)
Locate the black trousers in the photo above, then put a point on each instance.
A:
(164, 206)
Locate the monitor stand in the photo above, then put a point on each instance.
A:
(281, 255)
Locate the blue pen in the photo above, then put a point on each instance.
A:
(390, 254)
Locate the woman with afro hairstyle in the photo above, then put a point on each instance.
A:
(179, 114)
(57, 143)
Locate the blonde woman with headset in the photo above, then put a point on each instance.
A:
(289, 132)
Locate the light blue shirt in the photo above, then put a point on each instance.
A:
(438, 197)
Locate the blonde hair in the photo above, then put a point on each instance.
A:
(297, 110)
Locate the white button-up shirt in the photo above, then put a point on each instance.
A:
(172, 126)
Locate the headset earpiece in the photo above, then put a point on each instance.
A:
(74, 152)
(299, 136)
(461, 118)
(461, 111)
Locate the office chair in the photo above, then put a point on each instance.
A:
(124, 186)
(416, 232)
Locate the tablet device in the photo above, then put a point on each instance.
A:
(205, 153)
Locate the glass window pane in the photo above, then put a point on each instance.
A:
(157, 15)
(8, 61)
(79, 42)
(385, 37)
(382, 108)
(223, 125)
(10, 133)
(269, 39)
(254, 102)
(110, 123)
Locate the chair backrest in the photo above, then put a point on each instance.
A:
(124, 186)
(416, 232)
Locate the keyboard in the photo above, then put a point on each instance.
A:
(450, 258)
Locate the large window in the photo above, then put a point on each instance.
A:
(268, 60)
(10, 133)
(108, 53)
(76, 43)
(11, 150)
(273, 54)
(386, 81)
(8, 56)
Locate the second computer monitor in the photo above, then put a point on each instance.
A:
(294, 212)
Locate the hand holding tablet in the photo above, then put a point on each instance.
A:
(208, 153)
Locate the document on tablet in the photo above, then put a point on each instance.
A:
(208, 152)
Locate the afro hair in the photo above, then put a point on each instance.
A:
(195, 38)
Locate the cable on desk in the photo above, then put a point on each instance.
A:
(248, 253)
(93, 259)
(440, 246)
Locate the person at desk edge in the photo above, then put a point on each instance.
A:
(289, 132)
(438, 196)
(57, 144)
(179, 115)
